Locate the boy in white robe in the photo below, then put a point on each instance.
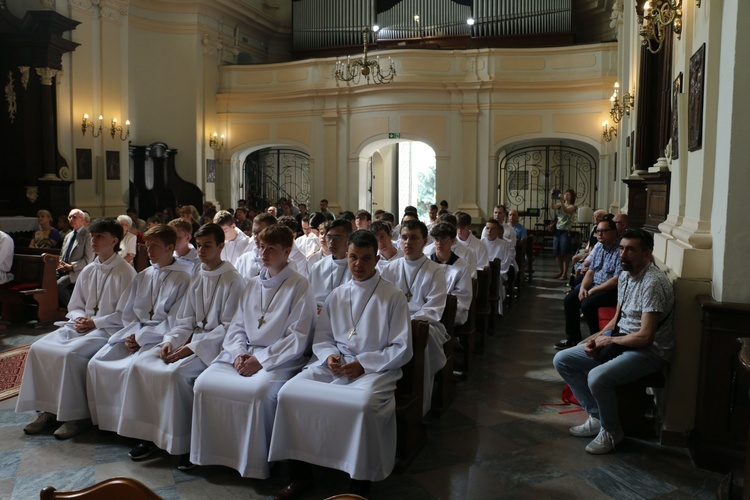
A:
(54, 378)
(423, 283)
(266, 345)
(296, 258)
(236, 243)
(462, 251)
(151, 312)
(467, 239)
(457, 271)
(158, 401)
(387, 252)
(339, 412)
(322, 251)
(507, 232)
(332, 271)
(499, 248)
(249, 264)
(183, 250)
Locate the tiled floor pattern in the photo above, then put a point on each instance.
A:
(496, 441)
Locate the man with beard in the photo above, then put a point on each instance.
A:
(637, 341)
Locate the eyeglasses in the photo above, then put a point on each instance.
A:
(602, 231)
(333, 237)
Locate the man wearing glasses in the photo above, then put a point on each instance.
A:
(598, 288)
(75, 255)
(332, 271)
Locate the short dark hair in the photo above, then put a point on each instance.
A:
(415, 224)
(277, 234)
(493, 221)
(378, 213)
(211, 229)
(443, 229)
(110, 226)
(342, 223)
(265, 218)
(433, 207)
(387, 216)
(131, 210)
(347, 215)
(381, 225)
(316, 219)
(223, 218)
(363, 238)
(288, 221)
(646, 238)
(409, 208)
(362, 213)
(449, 218)
(462, 219)
(324, 200)
(162, 232)
(444, 203)
(609, 221)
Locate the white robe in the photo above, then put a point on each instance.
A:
(458, 283)
(312, 259)
(505, 251)
(54, 378)
(234, 249)
(462, 251)
(155, 289)
(427, 303)
(191, 257)
(249, 264)
(349, 425)
(158, 400)
(128, 245)
(382, 262)
(327, 275)
(224, 399)
(298, 261)
(7, 249)
(478, 249)
(308, 244)
(509, 234)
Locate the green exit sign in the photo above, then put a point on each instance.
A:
(394, 135)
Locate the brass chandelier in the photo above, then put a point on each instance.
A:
(368, 68)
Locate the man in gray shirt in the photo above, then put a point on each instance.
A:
(637, 341)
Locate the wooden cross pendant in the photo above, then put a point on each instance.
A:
(408, 296)
(151, 314)
(261, 321)
(96, 310)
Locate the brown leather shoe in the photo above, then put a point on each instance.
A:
(295, 489)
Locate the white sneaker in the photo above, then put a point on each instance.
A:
(604, 442)
(590, 427)
(43, 421)
(72, 428)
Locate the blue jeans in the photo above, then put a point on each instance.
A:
(593, 382)
(561, 243)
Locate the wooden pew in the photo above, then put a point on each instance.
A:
(36, 251)
(409, 399)
(483, 304)
(140, 261)
(33, 292)
(494, 294)
(467, 335)
(444, 390)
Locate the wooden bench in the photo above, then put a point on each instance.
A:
(33, 292)
(495, 286)
(140, 261)
(467, 335)
(444, 390)
(639, 416)
(409, 399)
(36, 251)
(483, 308)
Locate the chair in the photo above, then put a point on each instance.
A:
(115, 488)
(409, 399)
(444, 390)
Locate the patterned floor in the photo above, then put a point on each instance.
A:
(496, 441)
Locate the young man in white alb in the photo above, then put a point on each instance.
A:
(499, 248)
(423, 283)
(387, 251)
(183, 249)
(467, 239)
(296, 258)
(158, 401)
(266, 345)
(236, 242)
(339, 412)
(462, 251)
(151, 311)
(457, 271)
(250, 264)
(54, 378)
(332, 271)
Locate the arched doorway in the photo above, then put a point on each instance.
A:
(399, 173)
(529, 171)
(275, 172)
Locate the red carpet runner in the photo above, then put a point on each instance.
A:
(11, 370)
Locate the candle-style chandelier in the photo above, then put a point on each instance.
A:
(618, 109)
(657, 16)
(368, 68)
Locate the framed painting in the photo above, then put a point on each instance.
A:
(83, 164)
(210, 170)
(113, 165)
(695, 99)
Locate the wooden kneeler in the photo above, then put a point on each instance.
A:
(409, 399)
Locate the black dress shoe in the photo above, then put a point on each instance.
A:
(564, 344)
(185, 463)
(143, 450)
(295, 489)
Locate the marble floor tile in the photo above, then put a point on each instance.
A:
(620, 480)
(28, 487)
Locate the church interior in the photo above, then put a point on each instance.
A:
(634, 104)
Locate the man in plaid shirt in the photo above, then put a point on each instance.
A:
(598, 288)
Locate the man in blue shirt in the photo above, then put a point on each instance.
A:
(598, 288)
(521, 233)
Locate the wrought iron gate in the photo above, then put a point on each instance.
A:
(528, 174)
(273, 173)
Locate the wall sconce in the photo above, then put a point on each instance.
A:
(113, 128)
(608, 132)
(617, 110)
(215, 143)
(86, 125)
(656, 17)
